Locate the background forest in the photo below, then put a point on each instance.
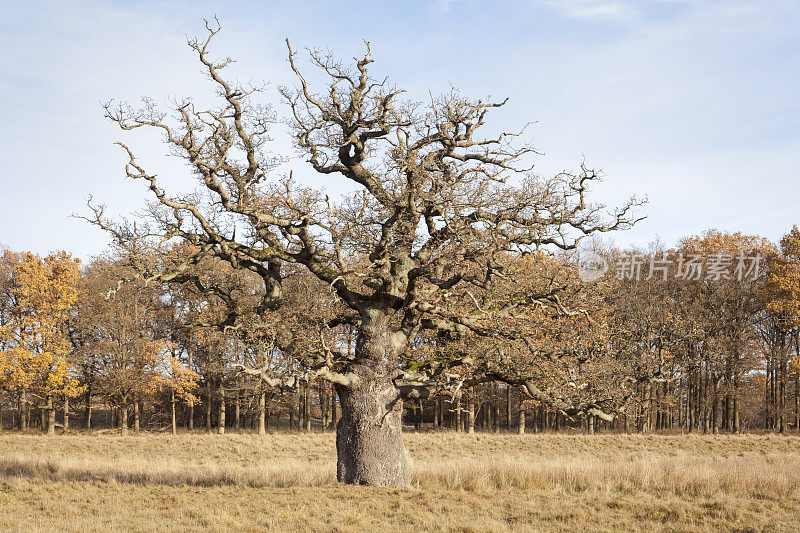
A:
(81, 349)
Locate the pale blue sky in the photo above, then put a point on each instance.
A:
(693, 103)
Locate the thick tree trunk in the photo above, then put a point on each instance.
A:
(369, 438)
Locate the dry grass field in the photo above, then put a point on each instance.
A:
(485, 482)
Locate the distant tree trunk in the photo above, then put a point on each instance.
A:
(51, 415)
(471, 411)
(65, 422)
(136, 423)
(715, 407)
(590, 424)
(646, 406)
(123, 420)
(262, 411)
(237, 411)
(172, 412)
(208, 408)
(334, 409)
(736, 417)
(690, 402)
(190, 414)
(307, 406)
(521, 420)
(797, 401)
(323, 404)
(496, 407)
(221, 417)
(23, 420)
(705, 398)
(508, 407)
(420, 414)
(782, 391)
(767, 395)
(458, 414)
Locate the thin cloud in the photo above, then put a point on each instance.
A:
(595, 9)
(443, 6)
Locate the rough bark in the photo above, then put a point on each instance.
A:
(369, 438)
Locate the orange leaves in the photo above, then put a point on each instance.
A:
(37, 353)
(784, 280)
(179, 378)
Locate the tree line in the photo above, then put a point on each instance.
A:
(101, 340)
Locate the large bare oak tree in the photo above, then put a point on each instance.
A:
(436, 215)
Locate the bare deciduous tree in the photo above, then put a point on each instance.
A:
(437, 217)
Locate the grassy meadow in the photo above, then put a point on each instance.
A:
(483, 482)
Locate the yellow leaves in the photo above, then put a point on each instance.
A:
(182, 380)
(37, 350)
(784, 280)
